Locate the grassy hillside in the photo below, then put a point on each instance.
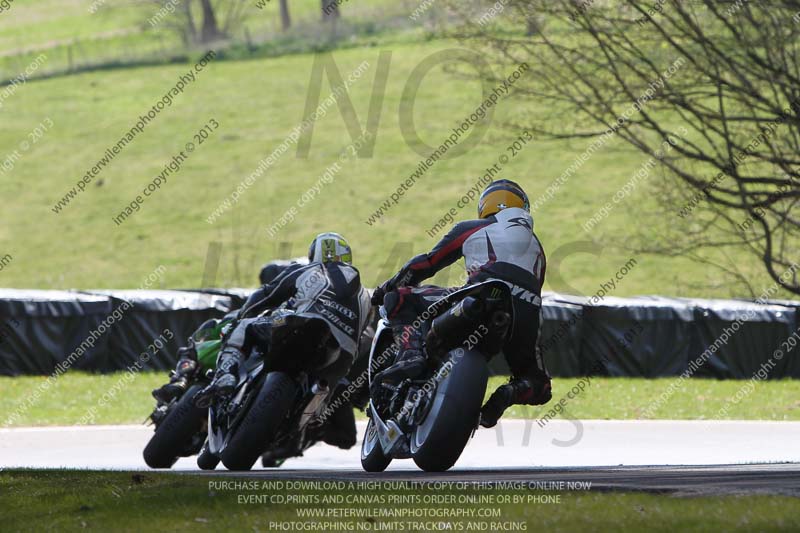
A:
(73, 35)
(257, 103)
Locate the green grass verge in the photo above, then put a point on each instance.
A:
(106, 501)
(75, 394)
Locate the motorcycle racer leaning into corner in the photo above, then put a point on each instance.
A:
(328, 287)
(187, 365)
(500, 245)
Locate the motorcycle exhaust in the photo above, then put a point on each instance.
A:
(448, 329)
(500, 321)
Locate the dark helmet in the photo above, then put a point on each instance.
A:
(272, 270)
(499, 195)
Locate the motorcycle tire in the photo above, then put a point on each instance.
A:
(207, 460)
(262, 421)
(372, 457)
(439, 439)
(176, 431)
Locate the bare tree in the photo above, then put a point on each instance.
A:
(718, 80)
(200, 22)
(210, 30)
(286, 20)
(330, 10)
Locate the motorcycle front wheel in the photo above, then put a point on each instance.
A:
(174, 434)
(372, 457)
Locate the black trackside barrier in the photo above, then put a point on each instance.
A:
(153, 318)
(743, 337)
(238, 296)
(641, 337)
(655, 336)
(42, 332)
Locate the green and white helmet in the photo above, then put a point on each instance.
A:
(330, 247)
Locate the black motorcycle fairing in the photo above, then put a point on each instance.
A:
(449, 300)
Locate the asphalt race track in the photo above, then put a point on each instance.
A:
(692, 457)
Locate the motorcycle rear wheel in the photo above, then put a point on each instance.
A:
(261, 423)
(437, 442)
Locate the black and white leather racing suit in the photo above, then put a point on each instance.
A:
(329, 291)
(503, 247)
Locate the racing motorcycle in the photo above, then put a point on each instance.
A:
(430, 419)
(180, 427)
(278, 407)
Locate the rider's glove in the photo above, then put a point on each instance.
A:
(187, 352)
(377, 295)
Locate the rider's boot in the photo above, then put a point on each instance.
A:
(527, 391)
(340, 428)
(410, 362)
(179, 380)
(225, 380)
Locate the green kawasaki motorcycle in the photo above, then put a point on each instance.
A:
(180, 426)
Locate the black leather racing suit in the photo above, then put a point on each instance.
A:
(502, 246)
(330, 291)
